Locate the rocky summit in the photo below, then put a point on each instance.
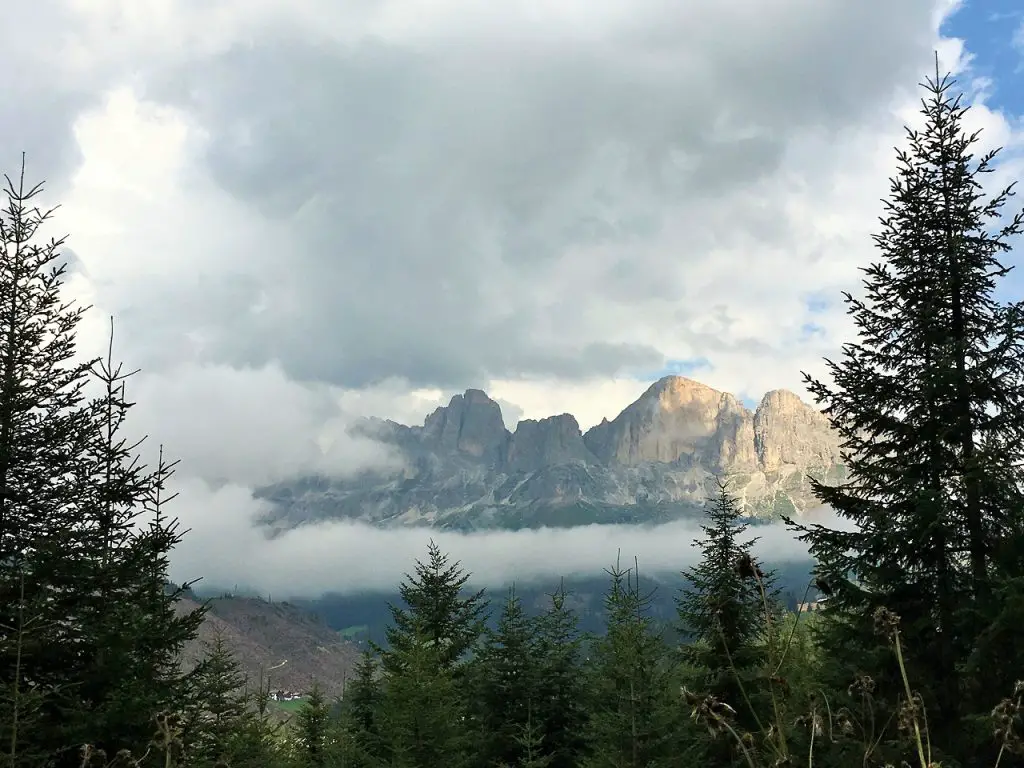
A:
(656, 461)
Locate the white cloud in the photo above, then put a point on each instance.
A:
(224, 548)
(302, 212)
(252, 426)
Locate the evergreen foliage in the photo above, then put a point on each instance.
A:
(360, 715)
(560, 713)
(437, 613)
(636, 717)
(101, 658)
(316, 740)
(506, 686)
(423, 713)
(724, 612)
(929, 402)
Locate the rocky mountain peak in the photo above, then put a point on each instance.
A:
(672, 392)
(554, 440)
(471, 423)
(677, 419)
(654, 461)
(788, 431)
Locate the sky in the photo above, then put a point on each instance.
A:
(301, 212)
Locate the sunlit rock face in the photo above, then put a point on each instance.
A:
(656, 461)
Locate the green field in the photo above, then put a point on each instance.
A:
(288, 706)
(350, 632)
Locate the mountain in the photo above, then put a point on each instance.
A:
(654, 462)
(295, 646)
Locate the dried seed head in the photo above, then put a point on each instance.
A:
(1008, 721)
(708, 710)
(747, 568)
(863, 685)
(844, 722)
(886, 622)
(910, 711)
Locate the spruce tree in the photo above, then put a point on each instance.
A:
(424, 684)
(929, 403)
(506, 685)
(423, 708)
(45, 426)
(360, 715)
(636, 716)
(726, 613)
(71, 503)
(212, 731)
(316, 748)
(560, 711)
(436, 609)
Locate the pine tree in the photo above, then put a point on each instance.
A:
(423, 710)
(726, 612)
(314, 731)
(506, 685)
(929, 403)
(71, 501)
(559, 712)
(360, 716)
(636, 717)
(437, 610)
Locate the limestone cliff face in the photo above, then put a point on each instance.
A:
(656, 460)
(787, 431)
(550, 441)
(677, 419)
(471, 423)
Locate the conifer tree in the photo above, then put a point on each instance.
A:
(71, 497)
(360, 715)
(212, 731)
(314, 731)
(260, 740)
(423, 709)
(929, 403)
(533, 752)
(560, 712)
(726, 611)
(636, 716)
(424, 686)
(45, 425)
(20, 698)
(506, 685)
(436, 609)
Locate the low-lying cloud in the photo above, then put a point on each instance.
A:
(225, 548)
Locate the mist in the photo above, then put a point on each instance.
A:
(226, 547)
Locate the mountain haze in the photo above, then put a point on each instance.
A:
(654, 462)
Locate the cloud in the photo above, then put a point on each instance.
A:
(253, 426)
(487, 194)
(304, 212)
(349, 558)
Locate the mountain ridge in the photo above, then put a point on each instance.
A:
(656, 460)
